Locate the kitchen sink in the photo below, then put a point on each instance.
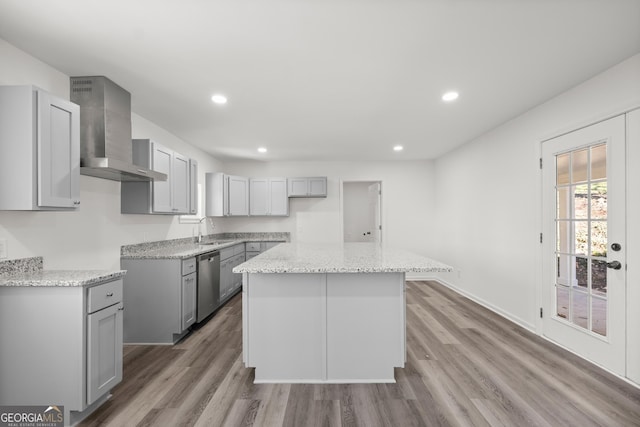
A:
(216, 242)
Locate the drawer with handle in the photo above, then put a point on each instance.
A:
(104, 295)
(254, 246)
(188, 266)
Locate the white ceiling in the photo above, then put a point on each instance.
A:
(329, 79)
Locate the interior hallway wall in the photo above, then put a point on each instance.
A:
(488, 203)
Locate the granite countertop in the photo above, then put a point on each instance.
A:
(339, 258)
(186, 248)
(29, 272)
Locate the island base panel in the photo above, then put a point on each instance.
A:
(324, 327)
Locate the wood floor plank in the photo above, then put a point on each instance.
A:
(271, 413)
(216, 409)
(466, 366)
(493, 413)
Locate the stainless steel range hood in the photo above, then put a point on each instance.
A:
(105, 131)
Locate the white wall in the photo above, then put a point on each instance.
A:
(407, 201)
(488, 196)
(89, 238)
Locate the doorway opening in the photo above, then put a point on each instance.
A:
(362, 211)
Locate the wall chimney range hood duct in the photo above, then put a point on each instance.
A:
(105, 131)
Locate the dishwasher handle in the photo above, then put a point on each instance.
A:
(209, 256)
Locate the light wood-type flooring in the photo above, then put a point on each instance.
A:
(466, 366)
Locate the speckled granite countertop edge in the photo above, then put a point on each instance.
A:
(340, 258)
(30, 272)
(186, 248)
(61, 278)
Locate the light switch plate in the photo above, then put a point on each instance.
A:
(3, 249)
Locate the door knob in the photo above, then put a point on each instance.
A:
(615, 265)
(616, 246)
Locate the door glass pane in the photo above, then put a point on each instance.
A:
(581, 235)
(599, 200)
(599, 162)
(563, 203)
(581, 273)
(580, 308)
(580, 201)
(599, 277)
(599, 238)
(579, 166)
(599, 314)
(563, 241)
(562, 168)
(565, 275)
(562, 301)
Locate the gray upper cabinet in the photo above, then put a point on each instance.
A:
(39, 150)
(193, 187)
(226, 195)
(268, 196)
(308, 187)
(180, 179)
(238, 195)
(157, 197)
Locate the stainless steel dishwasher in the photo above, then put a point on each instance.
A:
(208, 284)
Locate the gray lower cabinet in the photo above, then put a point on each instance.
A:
(256, 248)
(65, 350)
(230, 282)
(104, 342)
(189, 299)
(39, 150)
(161, 299)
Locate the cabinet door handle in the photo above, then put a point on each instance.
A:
(121, 308)
(109, 294)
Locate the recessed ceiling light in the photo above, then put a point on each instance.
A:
(398, 148)
(262, 150)
(219, 99)
(450, 96)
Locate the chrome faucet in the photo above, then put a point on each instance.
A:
(200, 230)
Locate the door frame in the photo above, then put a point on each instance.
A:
(539, 252)
(382, 216)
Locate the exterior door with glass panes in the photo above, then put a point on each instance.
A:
(584, 267)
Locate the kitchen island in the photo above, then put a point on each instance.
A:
(327, 313)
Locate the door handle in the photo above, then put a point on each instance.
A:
(615, 265)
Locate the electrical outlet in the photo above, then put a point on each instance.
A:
(4, 253)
